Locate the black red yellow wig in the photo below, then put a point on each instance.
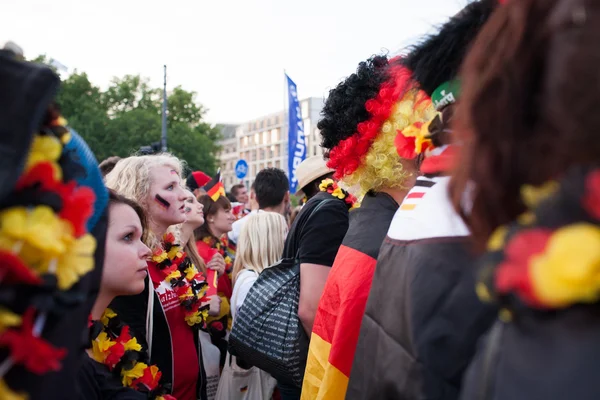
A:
(361, 118)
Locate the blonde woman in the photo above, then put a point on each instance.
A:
(159, 316)
(260, 245)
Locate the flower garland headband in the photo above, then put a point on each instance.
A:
(113, 346)
(330, 186)
(540, 262)
(348, 155)
(184, 278)
(416, 138)
(43, 242)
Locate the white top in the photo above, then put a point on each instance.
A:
(237, 226)
(427, 212)
(243, 283)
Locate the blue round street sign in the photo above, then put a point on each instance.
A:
(241, 169)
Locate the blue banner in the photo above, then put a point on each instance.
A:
(296, 138)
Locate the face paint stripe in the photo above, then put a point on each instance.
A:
(162, 202)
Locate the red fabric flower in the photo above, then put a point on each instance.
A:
(169, 238)
(77, 207)
(115, 353)
(41, 173)
(347, 156)
(148, 379)
(13, 270)
(35, 354)
(405, 146)
(513, 274)
(591, 199)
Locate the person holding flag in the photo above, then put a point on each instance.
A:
(213, 243)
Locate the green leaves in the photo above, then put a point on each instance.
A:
(127, 115)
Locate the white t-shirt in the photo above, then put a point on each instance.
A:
(237, 226)
(243, 283)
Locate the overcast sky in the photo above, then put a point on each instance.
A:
(231, 52)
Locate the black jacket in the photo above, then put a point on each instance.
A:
(423, 318)
(133, 310)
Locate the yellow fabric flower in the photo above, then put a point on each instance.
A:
(100, 345)
(160, 257)
(44, 148)
(39, 227)
(496, 241)
(533, 195)
(129, 375)
(6, 393)
(76, 262)
(568, 271)
(338, 193)
(107, 315)
(174, 252)
(173, 275)
(326, 182)
(190, 272)
(132, 344)
(193, 319)
(188, 293)
(8, 319)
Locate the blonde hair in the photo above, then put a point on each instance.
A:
(382, 167)
(192, 252)
(131, 178)
(261, 242)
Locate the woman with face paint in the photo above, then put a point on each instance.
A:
(168, 315)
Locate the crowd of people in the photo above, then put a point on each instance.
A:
(445, 247)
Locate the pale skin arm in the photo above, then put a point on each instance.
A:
(217, 263)
(312, 282)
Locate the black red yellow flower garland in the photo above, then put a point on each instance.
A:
(550, 257)
(225, 248)
(330, 186)
(113, 345)
(185, 279)
(43, 242)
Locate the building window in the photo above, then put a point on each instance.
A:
(256, 137)
(277, 164)
(245, 141)
(253, 155)
(274, 135)
(262, 154)
(277, 120)
(265, 137)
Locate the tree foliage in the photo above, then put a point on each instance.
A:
(127, 115)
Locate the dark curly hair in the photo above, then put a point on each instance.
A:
(345, 105)
(438, 57)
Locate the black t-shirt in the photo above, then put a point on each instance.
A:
(96, 382)
(317, 240)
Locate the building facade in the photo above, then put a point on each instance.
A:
(228, 155)
(263, 142)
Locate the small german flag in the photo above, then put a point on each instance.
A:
(215, 188)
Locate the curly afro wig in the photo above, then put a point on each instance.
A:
(361, 119)
(438, 57)
(345, 105)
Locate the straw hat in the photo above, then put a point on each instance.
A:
(310, 169)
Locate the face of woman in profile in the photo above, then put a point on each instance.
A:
(194, 212)
(126, 255)
(166, 198)
(221, 222)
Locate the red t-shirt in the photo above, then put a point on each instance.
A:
(185, 356)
